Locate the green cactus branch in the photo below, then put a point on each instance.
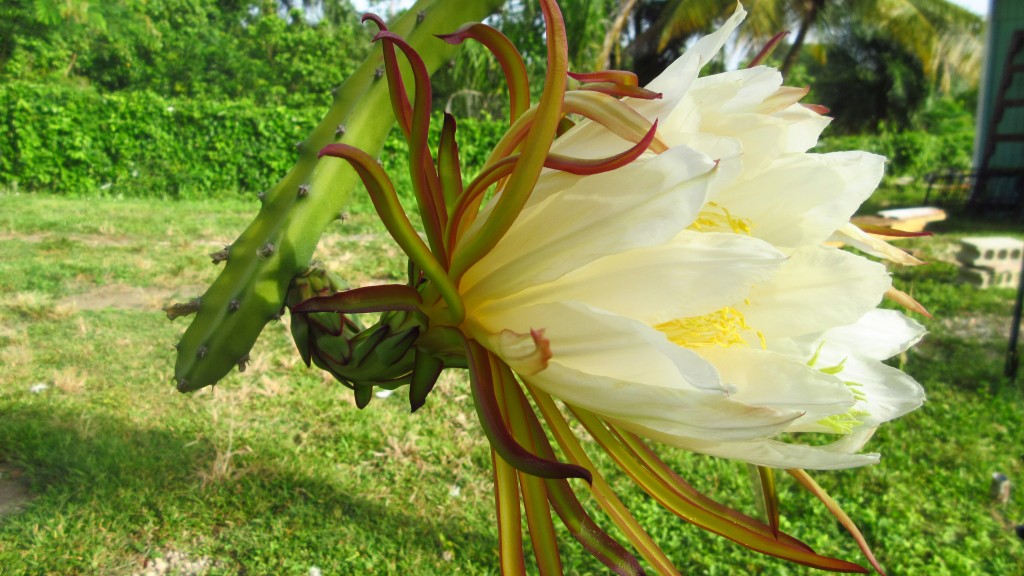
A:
(278, 245)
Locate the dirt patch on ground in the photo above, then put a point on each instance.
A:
(122, 296)
(14, 493)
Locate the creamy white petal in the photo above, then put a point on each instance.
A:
(769, 379)
(692, 275)
(773, 453)
(816, 289)
(643, 204)
(802, 199)
(590, 341)
(805, 126)
(888, 392)
(879, 334)
(675, 412)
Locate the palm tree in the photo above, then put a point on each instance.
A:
(945, 37)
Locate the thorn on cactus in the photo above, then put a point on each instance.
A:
(220, 255)
(243, 362)
(262, 196)
(340, 130)
(266, 251)
(201, 352)
(181, 309)
(378, 73)
(303, 190)
(298, 145)
(234, 305)
(420, 16)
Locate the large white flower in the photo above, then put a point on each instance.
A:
(688, 296)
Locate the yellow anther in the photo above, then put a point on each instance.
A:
(716, 218)
(722, 328)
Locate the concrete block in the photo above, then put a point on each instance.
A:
(996, 252)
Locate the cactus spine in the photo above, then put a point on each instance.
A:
(279, 243)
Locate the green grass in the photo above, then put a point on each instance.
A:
(275, 470)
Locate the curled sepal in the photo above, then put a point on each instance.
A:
(890, 232)
(694, 513)
(560, 495)
(508, 57)
(768, 49)
(587, 166)
(907, 301)
(621, 77)
(805, 479)
(535, 148)
(644, 454)
(399, 96)
(366, 299)
(613, 114)
(510, 523)
(614, 83)
(766, 489)
(482, 372)
(469, 200)
(448, 169)
(425, 181)
(620, 91)
(426, 369)
(385, 201)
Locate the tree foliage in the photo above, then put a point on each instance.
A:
(265, 50)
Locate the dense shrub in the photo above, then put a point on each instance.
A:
(78, 142)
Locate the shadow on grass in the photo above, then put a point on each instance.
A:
(107, 491)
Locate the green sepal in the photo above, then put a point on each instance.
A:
(426, 369)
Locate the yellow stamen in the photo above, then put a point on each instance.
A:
(716, 218)
(723, 328)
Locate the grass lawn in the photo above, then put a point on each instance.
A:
(106, 469)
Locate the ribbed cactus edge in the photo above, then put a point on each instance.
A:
(278, 245)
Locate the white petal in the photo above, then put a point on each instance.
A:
(678, 413)
(879, 334)
(889, 393)
(769, 379)
(589, 341)
(816, 289)
(643, 204)
(802, 199)
(805, 126)
(773, 453)
(692, 275)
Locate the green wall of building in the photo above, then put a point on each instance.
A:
(1005, 16)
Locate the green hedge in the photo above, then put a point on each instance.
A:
(78, 142)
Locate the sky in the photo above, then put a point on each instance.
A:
(976, 6)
